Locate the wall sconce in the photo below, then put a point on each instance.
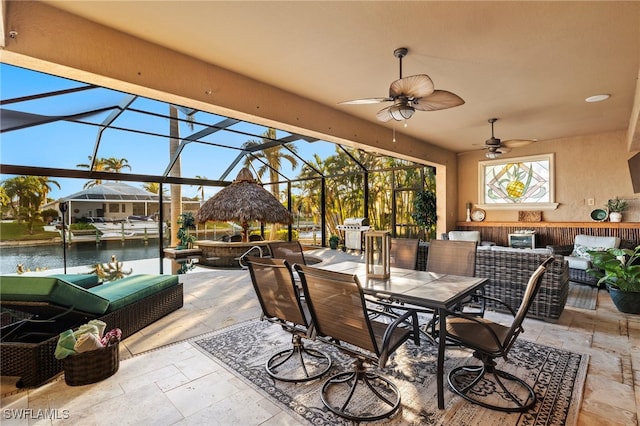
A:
(377, 253)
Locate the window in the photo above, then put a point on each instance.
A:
(517, 183)
(114, 208)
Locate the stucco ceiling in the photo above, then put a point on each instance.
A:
(531, 64)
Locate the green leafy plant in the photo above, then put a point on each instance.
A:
(617, 205)
(186, 222)
(333, 241)
(620, 268)
(424, 214)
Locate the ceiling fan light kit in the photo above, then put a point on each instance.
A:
(408, 94)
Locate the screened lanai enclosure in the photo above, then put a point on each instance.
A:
(78, 136)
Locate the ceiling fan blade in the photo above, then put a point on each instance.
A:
(384, 114)
(439, 99)
(517, 143)
(503, 150)
(414, 86)
(365, 101)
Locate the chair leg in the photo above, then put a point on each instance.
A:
(306, 363)
(476, 384)
(376, 397)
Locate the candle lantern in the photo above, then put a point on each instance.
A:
(377, 253)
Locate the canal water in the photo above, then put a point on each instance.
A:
(78, 254)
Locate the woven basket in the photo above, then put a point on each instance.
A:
(93, 366)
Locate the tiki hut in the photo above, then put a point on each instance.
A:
(244, 201)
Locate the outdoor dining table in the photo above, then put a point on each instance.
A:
(420, 288)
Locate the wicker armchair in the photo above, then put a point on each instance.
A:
(509, 271)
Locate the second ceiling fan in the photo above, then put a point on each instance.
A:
(496, 147)
(410, 94)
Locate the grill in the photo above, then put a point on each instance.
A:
(353, 228)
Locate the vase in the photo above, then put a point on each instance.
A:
(625, 301)
(615, 217)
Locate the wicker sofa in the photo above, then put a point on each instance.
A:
(27, 347)
(509, 269)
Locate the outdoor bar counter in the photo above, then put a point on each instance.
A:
(226, 254)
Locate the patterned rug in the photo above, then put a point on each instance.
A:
(556, 375)
(582, 296)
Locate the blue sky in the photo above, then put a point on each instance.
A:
(64, 144)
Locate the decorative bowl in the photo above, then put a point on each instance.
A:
(599, 215)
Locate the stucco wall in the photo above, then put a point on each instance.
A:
(592, 166)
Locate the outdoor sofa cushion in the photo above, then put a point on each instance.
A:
(52, 290)
(81, 280)
(125, 291)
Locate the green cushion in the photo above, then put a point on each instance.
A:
(123, 292)
(81, 280)
(51, 290)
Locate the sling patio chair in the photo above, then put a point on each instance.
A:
(486, 385)
(456, 257)
(404, 253)
(290, 250)
(340, 316)
(281, 304)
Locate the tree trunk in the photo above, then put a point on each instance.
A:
(176, 170)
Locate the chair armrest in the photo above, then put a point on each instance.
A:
(481, 296)
(563, 250)
(388, 334)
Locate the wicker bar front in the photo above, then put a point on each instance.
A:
(508, 274)
(34, 363)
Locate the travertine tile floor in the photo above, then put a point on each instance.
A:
(165, 380)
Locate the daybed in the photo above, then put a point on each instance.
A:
(56, 303)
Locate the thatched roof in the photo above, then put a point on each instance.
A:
(244, 201)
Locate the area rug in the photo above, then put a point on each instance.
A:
(582, 296)
(556, 375)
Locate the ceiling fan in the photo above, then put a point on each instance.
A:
(409, 94)
(495, 147)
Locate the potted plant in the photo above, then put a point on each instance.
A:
(186, 222)
(333, 242)
(619, 269)
(424, 214)
(616, 206)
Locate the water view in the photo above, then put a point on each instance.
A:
(78, 254)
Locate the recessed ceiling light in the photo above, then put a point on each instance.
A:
(598, 98)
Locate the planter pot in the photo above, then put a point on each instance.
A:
(626, 301)
(333, 245)
(615, 217)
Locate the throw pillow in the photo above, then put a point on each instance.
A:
(581, 251)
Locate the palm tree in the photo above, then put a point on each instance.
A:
(154, 188)
(25, 193)
(201, 188)
(176, 170)
(113, 164)
(99, 166)
(272, 162)
(45, 188)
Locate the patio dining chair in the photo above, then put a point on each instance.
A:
(339, 311)
(290, 250)
(281, 304)
(404, 253)
(486, 385)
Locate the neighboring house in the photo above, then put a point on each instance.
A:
(116, 201)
